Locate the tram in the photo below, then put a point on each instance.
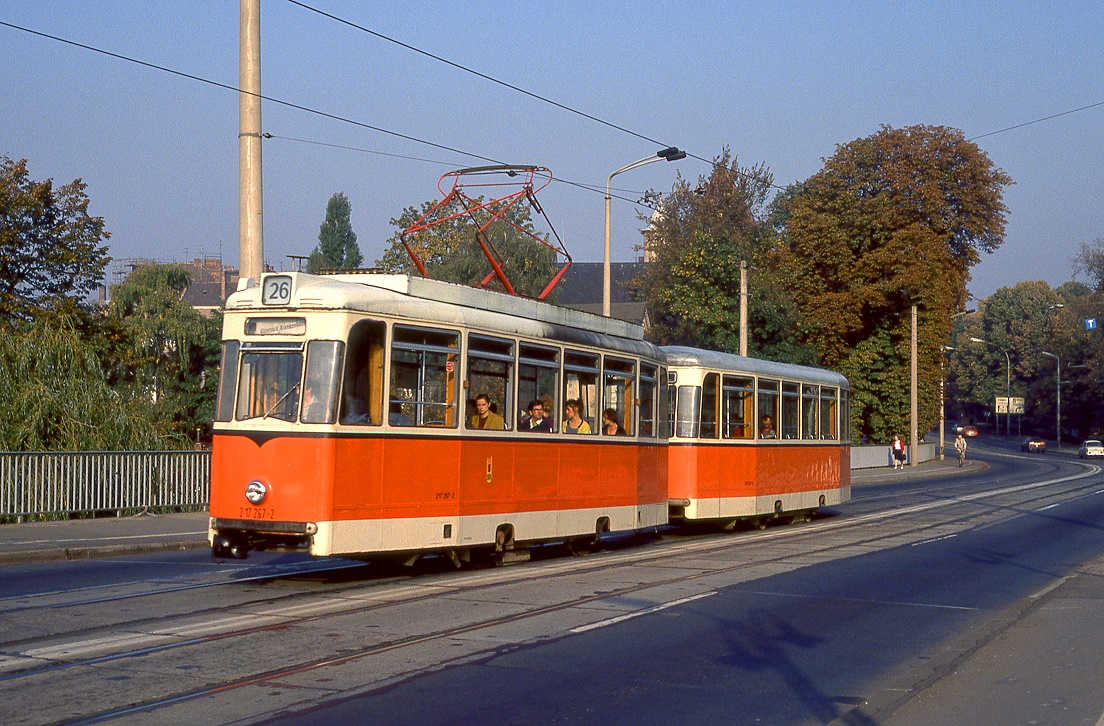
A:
(362, 414)
(753, 439)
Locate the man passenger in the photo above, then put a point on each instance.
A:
(484, 417)
(537, 420)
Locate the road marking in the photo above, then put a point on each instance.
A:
(933, 539)
(1049, 506)
(638, 613)
(202, 534)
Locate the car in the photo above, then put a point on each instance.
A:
(959, 429)
(1090, 447)
(970, 431)
(1033, 444)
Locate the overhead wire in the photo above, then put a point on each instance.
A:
(1036, 121)
(506, 84)
(306, 109)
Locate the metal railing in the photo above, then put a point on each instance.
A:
(49, 483)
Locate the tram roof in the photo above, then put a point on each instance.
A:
(698, 358)
(423, 299)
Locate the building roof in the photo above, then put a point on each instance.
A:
(581, 289)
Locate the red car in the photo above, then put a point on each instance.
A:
(970, 431)
(1033, 444)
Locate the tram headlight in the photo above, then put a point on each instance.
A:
(255, 492)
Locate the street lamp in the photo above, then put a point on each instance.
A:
(1059, 415)
(942, 403)
(1007, 388)
(669, 154)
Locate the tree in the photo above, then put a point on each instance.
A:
(171, 352)
(450, 251)
(53, 396)
(50, 247)
(337, 247)
(695, 243)
(892, 220)
(1089, 261)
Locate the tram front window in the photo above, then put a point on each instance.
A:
(269, 383)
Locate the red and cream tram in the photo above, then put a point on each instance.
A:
(753, 439)
(361, 414)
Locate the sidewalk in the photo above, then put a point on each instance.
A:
(935, 467)
(75, 539)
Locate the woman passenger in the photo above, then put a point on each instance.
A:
(573, 423)
(610, 424)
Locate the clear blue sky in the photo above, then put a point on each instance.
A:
(780, 83)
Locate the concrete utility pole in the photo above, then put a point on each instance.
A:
(250, 232)
(743, 308)
(914, 439)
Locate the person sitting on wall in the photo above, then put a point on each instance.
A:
(484, 417)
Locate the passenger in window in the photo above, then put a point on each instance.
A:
(573, 423)
(484, 417)
(537, 420)
(610, 425)
(766, 429)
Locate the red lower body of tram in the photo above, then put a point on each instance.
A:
(718, 481)
(365, 495)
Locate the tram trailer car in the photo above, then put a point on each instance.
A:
(754, 439)
(347, 421)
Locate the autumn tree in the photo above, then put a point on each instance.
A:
(337, 247)
(450, 250)
(694, 244)
(892, 220)
(51, 248)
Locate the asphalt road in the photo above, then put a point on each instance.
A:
(969, 598)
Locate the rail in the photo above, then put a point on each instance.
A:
(59, 483)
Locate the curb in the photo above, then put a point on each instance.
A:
(88, 553)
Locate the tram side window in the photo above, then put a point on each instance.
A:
(845, 415)
(686, 411)
(768, 409)
(790, 427)
(228, 374)
(539, 380)
(269, 383)
(490, 374)
(809, 406)
(618, 395)
(708, 428)
(828, 428)
(320, 387)
(737, 408)
(581, 384)
(647, 401)
(362, 394)
(423, 377)
(664, 400)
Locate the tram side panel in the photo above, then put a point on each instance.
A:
(798, 476)
(718, 480)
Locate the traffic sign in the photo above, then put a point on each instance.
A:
(1017, 406)
(1002, 404)
(1090, 323)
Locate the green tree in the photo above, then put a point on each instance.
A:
(53, 396)
(695, 243)
(451, 252)
(892, 220)
(171, 352)
(337, 247)
(50, 247)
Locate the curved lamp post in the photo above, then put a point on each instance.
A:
(669, 154)
(1007, 385)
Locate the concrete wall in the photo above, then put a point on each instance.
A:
(870, 457)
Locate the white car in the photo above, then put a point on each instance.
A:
(1092, 447)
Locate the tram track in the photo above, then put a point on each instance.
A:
(309, 609)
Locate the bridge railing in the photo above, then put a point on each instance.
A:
(49, 483)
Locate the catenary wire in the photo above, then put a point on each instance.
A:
(228, 87)
(1036, 121)
(307, 109)
(512, 87)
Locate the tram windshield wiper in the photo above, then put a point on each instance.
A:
(279, 401)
